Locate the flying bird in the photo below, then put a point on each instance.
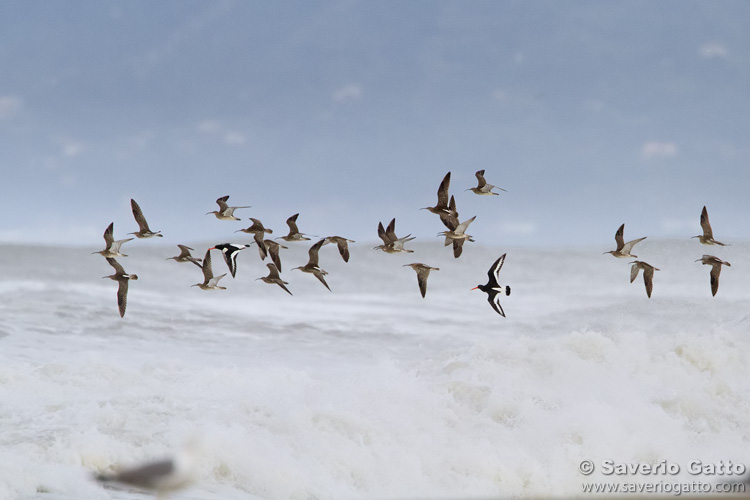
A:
(707, 238)
(483, 188)
(443, 208)
(256, 228)
(185, 256)
(272, 248)
(342, 243)
(230, 251)
(273, 278)
(493, 289)
(225, 212)
(391, 243)
(423, 271)
(294, 234)
(209, 281)
(312, 266)
(648, 274)
(122, 278)
(715, 263)
(456, 235)
(143, 231)
(112, 248)
(623, 249)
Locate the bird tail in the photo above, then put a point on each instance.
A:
(507, 290)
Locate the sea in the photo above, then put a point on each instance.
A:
(370, 391)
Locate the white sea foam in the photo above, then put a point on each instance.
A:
(369, 391)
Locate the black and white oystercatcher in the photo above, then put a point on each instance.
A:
(230, 251)
(493, 289)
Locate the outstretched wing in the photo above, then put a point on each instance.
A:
(122, 296)
(116, 265)
(706, 225)
(442, 194)
(619, 237)
(480, 179)
(313, 253)
(138, 215)
(648, 280)
(108, 234)
(222, 202)
(494, 270)
(634, 269)
(208, 273)
(292, 223)
(715, 272)
(493, 299)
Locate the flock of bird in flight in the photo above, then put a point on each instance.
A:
(455, 235)
(707, 238)
(445, 208)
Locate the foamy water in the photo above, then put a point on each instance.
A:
(369, 391)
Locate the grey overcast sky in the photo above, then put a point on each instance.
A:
(589, 113)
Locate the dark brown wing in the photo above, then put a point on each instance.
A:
(273, 271)
(343, 249)
(319, 275)
(222, 202)
(648, 280)
(292, 223)
(138, 215)
(458, 248)
(116, 265)
(122, 296)
(619, 237)
(185, 251)
(381, 234)
(442, 194)
(273, 251)
(262, 249)
(480, 179)
(313, 253)
(108, 234)
(208, 273)
(422, 274)
(715, 272)
(706, 225)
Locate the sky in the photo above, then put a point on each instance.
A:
(590, 114)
